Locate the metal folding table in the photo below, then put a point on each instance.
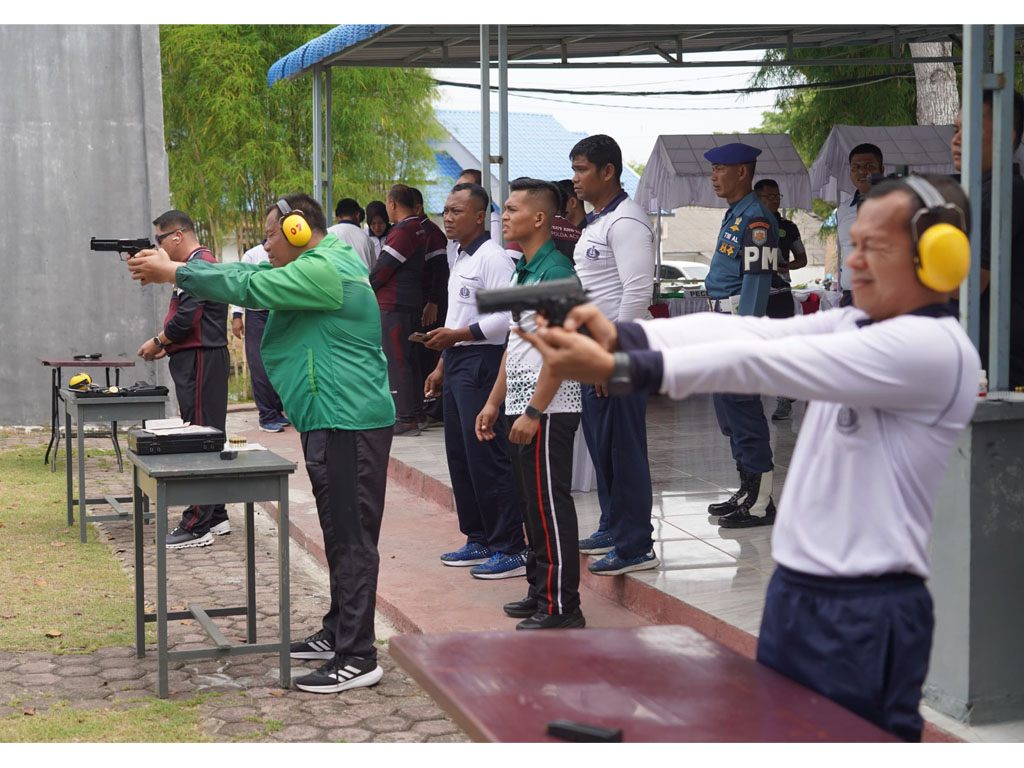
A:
(55, 364)
(205, 478)
(84, 410)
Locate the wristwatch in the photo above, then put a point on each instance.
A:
(156, 340)
(531, 413)
(621, 381)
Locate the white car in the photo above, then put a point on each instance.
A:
(688, 272)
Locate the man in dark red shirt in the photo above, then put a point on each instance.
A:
(195, 341)
(397, 279)
(435, 307)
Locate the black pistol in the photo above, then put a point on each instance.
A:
(126, 246)
(553, 299)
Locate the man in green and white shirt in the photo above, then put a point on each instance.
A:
(545, 413)
(322, 351)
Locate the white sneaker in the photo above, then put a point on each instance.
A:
(221, 528)
(179, 539)
(340, 674)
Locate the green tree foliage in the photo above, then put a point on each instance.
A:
(234, 145)
(808, 115)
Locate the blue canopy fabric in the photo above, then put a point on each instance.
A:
(319, 48)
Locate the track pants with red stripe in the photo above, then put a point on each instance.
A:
(543, 471)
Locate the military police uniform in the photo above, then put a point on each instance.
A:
(738, 282)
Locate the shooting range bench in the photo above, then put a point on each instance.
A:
(205, 478)
(113, 409)
(55, 364)
(658, 684)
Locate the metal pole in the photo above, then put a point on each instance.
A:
(1002, 210)
(657, 256)
(485, 114)
(328, 150)
(503, 113)
(318, 173)
(970, 166)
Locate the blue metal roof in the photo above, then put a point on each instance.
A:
(319, 48)
(538, 146)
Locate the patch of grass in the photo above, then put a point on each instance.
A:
(155, 721)
(49, 581)
(263, 729)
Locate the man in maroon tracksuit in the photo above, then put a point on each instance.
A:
(195, 340)
(397, 279)
(435, 298)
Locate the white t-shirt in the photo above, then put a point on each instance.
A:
(846, 214)
(254, 255)
(353, 234)
(522, 369)
(615, 260)
(886, 404)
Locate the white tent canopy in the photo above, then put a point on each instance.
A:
(922, 148)
(677, 173)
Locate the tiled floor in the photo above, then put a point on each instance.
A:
(723, 572)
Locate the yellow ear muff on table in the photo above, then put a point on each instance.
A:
(944, 257)
(80, 381)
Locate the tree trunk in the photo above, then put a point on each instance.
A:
(937, 97)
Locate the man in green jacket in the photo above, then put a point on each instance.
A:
(322, 351)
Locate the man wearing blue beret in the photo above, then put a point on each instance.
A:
(739, 282)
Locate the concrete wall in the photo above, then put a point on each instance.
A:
(976, 674)
(82, 154)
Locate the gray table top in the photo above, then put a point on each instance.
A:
(182, 465)
(72, 397)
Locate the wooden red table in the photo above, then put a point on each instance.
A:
(658, 684)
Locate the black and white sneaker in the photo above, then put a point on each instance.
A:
(182, 539)
(318, 646)
(222, 528)
(340, 674)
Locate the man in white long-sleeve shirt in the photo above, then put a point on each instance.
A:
(890, 384)
(614, 260)
(349, 229)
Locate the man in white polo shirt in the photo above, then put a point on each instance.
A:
(890, 384)
(473, 344)
(614, 260)
(865, 161)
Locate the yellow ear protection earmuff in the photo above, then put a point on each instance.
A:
(943, 254)
(294, 225)
(80, 381)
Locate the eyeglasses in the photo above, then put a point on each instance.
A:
(161, 238)
(770, 197)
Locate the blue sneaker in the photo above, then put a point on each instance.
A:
(284, 421)
(597, 543)
(469, 554)
(500, 566)
(612, 565)
(274, 426)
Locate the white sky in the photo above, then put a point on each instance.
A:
(633, 121)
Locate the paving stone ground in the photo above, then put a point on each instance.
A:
(250, 705)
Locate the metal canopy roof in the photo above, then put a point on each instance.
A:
(458, 45)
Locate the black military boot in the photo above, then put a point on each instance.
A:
(733, 502)
(755, 510)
